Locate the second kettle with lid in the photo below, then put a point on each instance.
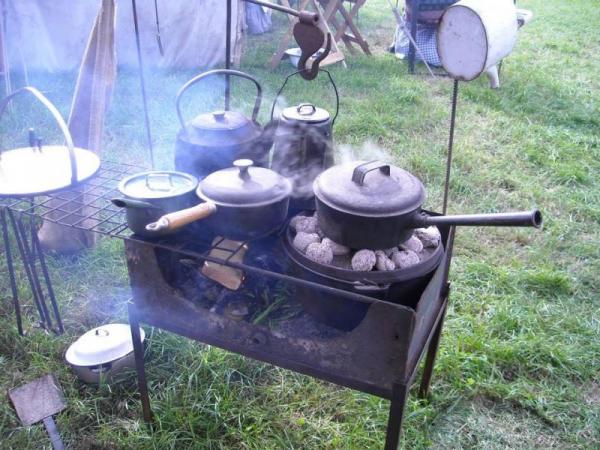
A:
(303, 147)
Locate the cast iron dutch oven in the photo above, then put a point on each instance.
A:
(212, 141)
(241, 202)
(150, 195)
(376, 205)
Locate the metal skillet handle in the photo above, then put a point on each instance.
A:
(178, 219)
(211, 73)
(361, 171)
(57, 117)
(531, 218)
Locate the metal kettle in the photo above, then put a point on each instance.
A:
(303, 147)
(212, 141)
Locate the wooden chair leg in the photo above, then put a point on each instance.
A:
(348, 19)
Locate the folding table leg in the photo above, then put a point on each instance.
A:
(11, 271)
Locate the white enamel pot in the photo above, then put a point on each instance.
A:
(474, 35)
(102, 353)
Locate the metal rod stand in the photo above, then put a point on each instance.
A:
(450, 145)
(11, 270)
(142, 82)
(30, 252)
(228, 56)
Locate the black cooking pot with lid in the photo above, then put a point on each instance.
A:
(213, 140)
(150, 195)
(376, 205)
(240, 202)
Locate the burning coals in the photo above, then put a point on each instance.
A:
(310, 240)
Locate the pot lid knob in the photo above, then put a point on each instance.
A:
(306, 109)
(219, 116)
(243, 165)
(101, 332)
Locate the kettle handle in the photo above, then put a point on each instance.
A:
(57, 117)
(211, 73)
(337, 96)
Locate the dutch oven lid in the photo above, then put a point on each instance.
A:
(306, 112)
(244, 185)
(157, 184)
(101, 345)
(221, 129)
(369, 189)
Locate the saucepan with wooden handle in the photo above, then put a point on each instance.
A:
(240, 202)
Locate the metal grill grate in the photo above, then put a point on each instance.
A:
(86, 207)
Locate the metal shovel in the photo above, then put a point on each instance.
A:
(38, 401)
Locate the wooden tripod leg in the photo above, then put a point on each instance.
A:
(355, 31)
(138, 353)
(394, 426)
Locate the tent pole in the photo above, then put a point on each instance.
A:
(228, 55)
(142, 82)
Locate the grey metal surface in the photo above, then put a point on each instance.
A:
(29, 171)
(37, 399)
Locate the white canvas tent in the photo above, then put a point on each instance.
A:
(51, 35)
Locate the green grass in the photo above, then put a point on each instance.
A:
(519, 361)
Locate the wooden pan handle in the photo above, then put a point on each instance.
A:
(175, 220)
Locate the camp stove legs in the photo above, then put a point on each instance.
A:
(30, 252)
(138, 353)
(397, 401)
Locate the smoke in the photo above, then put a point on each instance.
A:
(369, 151)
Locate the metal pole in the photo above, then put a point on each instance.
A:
(142, 81)
(11, 271)
(21, 239)
(37, 248)
(450, 145)
(276, 7)
(228, 55)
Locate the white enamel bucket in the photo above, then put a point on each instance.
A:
(474, 35)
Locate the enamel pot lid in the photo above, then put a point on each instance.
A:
(244, 185)
(157, 184)
(372, 189)
(101, 345)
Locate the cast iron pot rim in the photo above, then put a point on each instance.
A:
(394, 215)
(124, 181)
(372, 278)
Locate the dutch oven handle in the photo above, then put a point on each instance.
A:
(211, 73)
(337, 95)
(57, 117)
(361, 171)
